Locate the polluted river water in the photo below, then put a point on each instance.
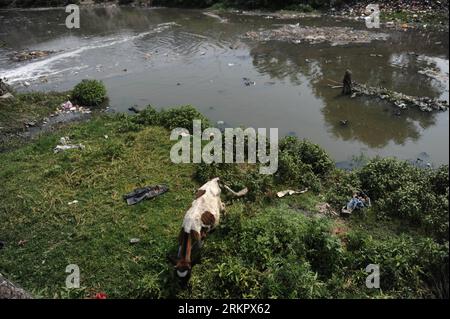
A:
(170, 57)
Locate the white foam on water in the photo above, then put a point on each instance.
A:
(36, 69)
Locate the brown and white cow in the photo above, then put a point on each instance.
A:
(201, 218)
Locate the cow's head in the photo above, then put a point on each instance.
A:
(183, 262)
(183, 269)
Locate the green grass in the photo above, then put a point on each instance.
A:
(24, 108)
(28, 107)
(94, 234)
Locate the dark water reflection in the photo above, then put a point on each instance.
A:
(199, 60)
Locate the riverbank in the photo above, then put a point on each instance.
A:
(406, 14)
(67, 208)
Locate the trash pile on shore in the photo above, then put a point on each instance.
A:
(400, 14)
(29, 55)
(402, 101)
(388, 6)
(295, 33)
(281, 15)
(68, 107)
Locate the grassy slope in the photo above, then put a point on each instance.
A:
(27, 107)
(95, 233)
(44, 234)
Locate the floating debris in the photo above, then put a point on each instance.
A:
(294, 33)
(29, 55)
(281, 15)
(402, 101)
(248, 82)
(215, 16)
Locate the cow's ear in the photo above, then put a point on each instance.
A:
(200, 193)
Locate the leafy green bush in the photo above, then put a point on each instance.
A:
(149, 116)
(308, 153)
(401, 190)
(177, 117)
(89, 92)
(182, 117)
(324, 252)
(439, 180)
(128, 124)
(290, 279)
(340, 186)
(407, 265)
(302, 163)
(380, 177)
(260, 257)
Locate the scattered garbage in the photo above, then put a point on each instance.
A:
(7, 96)
(22, 242)
(68, 107)
(141, 194)
(134, 241)
(30, 124)
(100, 295)
(326, 209)
(72, 202)
(402, 101)
(290, 192)
(295, 33)
(281, 15)
(29, 55)
(248, 82)
(64, 145)
(359, 201)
